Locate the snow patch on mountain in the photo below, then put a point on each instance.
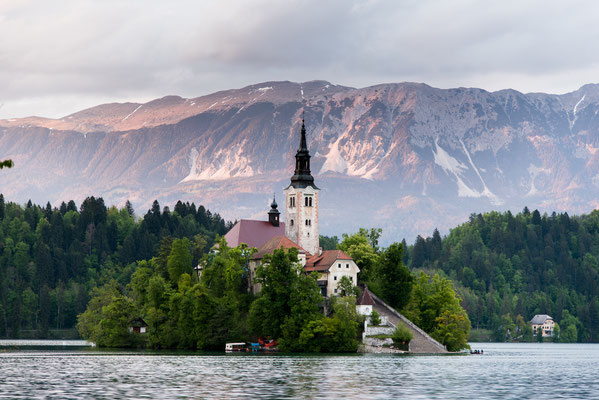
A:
(132, 112)
(334, 160)
(225, 164)
(447, 162)
(577, 104)
(535, 171)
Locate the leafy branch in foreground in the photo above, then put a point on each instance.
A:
(7, 164)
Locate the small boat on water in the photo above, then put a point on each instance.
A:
(240, 346)
(261, 345)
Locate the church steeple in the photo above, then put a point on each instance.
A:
(302, 176)
(273, 214)
(301, 205)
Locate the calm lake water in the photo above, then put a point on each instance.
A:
(506, 371)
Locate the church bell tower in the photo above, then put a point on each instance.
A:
(301, 199)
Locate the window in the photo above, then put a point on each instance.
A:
(308, 222)
(335, 290)
(338, 265)
(335, 278)
(351, 278)
(346, 265)
(291, 222)
(308, 201)
(292, 201)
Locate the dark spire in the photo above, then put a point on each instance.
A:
(273, 214)
(302, 177)
(303, 145)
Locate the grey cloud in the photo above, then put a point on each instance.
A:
(55, 56)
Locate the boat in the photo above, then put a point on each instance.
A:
(238, 346)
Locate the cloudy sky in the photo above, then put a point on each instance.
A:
(57, 57)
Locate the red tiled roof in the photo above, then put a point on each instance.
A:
(253, 233)
(324, 261)
(365, 299)
(276, 243)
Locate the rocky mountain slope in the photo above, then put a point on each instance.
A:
(405, 157)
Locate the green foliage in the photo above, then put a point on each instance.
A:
(179, 260)
(435, 307)
(539, 336)
(288, 301)
(569, 329)
(336, 334)
(346, 287)
(396, 280)
(524, 264)
(363, 248)
(6, 163)
(402, 335)
(328, 243)
(452, 329)
(375, 318)
(52, 258)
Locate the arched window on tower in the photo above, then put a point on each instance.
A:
(291, 222)
(308, 201)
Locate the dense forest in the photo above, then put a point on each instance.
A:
(52, 257)
(511, 267)
(99, 269)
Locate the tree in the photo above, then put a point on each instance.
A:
(435, 307)
(336, 334)
(396, 279)
(6, 163)
(346, 287)
(359, 247)
(114, 324)
(328, 243)
(375, 318)
(452, 330)
(539, 336)
(288, 299)
(402, 336)
(179, 260)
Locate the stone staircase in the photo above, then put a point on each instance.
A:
(422, 342)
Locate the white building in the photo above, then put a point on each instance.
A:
(543, 322)
(300, 230)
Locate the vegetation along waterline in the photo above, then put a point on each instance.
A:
(61, 262)
(55, 259)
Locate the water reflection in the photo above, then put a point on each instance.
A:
(504, 371)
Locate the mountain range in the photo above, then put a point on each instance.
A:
(405, 157)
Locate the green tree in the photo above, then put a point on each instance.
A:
(336, 334)
(396, 279)
(346, 287)
(288, 299)
(6, 163)
(359, 247)
(115, 322)
(452, 329)
(435, 307)
(179, 260)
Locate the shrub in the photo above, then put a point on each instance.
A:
(375, 318)
(402, 337)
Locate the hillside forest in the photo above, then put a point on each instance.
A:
(99, 269)
(507, 268)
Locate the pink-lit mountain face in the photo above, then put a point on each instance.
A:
(405, 157)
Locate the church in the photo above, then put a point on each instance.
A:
(299, 231)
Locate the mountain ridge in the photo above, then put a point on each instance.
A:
(431, 155)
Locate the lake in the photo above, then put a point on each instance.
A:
(69, 369)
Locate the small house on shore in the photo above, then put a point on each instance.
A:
(543, 322)
(138, 325)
